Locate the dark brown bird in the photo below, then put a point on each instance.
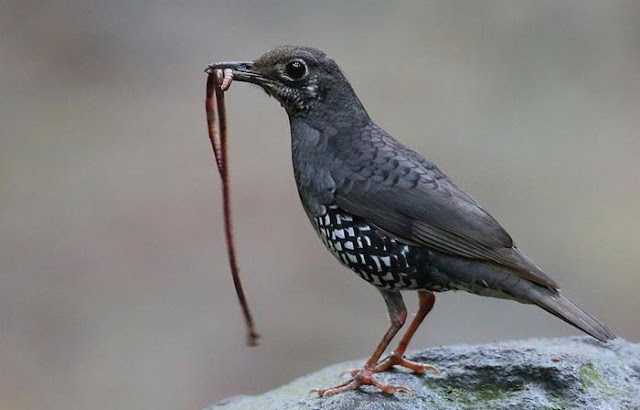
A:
(389, 214)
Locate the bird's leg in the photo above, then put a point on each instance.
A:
(426, 300)
(364, 376)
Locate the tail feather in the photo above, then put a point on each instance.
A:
(556, 304)
(489, 280)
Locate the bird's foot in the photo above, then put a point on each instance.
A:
(397, 360)
(362, 377)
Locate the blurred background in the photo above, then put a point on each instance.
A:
(115, 291)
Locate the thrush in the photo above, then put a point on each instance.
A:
(389, 214)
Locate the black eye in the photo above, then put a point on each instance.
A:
(295, 69)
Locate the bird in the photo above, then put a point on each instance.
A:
(389, 214)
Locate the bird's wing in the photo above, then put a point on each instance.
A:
(403, 194)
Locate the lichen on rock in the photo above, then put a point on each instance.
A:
(571, 373)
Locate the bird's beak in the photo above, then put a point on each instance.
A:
(242, 71)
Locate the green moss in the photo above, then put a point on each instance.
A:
(487, 394)
(479, 394)
(590, 378)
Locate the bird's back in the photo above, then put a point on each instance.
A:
(409, 198)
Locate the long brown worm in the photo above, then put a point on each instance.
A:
(218, 81)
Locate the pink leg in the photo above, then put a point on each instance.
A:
(396, 358)
(364, 376)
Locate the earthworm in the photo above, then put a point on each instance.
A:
(218, 82)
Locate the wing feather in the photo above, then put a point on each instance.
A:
(410, 198)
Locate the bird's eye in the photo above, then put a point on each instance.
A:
(295, 69)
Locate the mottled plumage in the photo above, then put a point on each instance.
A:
(376, 257)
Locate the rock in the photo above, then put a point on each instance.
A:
(571, 373)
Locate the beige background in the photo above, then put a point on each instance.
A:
(114, 286)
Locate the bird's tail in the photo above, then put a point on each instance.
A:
(487, 280)
(555, 303)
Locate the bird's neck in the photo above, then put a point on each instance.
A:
(336, 110)
(316, 139)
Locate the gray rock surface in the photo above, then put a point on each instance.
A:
(572, 373)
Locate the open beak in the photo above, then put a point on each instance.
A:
(242, 71)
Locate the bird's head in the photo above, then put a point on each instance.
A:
(304, 80)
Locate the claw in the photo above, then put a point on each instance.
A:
(392, 389)
(319, 392)
(349, 385)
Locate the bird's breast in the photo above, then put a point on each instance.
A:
(312, 159)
